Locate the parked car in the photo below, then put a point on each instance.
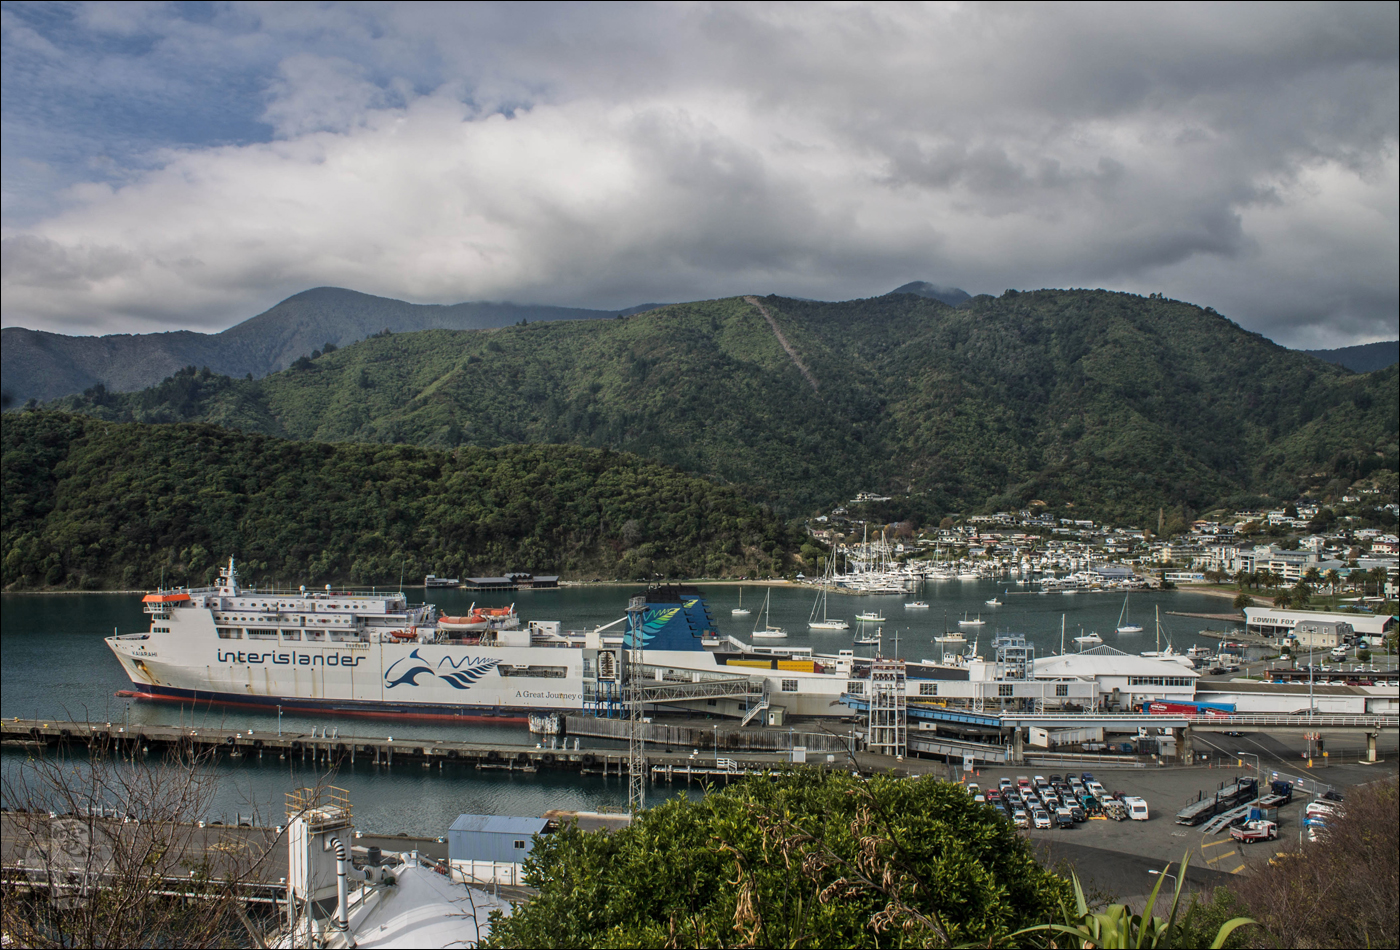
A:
(1078, 812)
(1064, 818)
(993, 795)
(1020, 819)
(1320, 809)
(1042, 818)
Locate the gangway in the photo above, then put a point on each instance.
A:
(983, 752)
(659, 684)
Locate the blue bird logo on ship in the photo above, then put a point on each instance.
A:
(462, 674)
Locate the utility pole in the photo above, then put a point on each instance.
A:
(1312, 706)
(636, 740)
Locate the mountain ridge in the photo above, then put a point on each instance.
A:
(1362, 358)
(42, 365)
(1112, 402)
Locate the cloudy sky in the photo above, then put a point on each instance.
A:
(188, 165)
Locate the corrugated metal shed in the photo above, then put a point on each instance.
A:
(501, 838)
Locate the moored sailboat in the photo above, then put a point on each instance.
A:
(768, 631)
(1125, 625)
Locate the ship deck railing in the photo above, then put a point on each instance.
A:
(309, 593)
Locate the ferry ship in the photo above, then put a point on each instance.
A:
(374, 654)
(371, 653)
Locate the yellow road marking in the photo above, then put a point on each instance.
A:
(1238, 869)
(1216, 844)
(1222, 857)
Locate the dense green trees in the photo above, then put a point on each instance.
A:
(95, 504)
(808, 858)
(1117, 404)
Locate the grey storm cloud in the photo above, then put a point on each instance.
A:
(1242, 157)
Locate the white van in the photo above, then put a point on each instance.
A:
(1339, 653)
(1137, 808)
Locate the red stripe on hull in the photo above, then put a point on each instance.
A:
(324, 710)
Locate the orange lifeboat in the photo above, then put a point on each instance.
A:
(398, 636)
(473, 620)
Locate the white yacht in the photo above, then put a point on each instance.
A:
(1125, 625)
(768, 631)
(826, 623)
(741, 610)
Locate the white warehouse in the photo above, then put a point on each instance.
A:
(1123, 679)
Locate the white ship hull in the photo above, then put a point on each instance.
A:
(373, 655)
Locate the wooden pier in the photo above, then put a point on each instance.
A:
(335, 749)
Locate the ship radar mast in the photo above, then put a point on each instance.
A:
(228, 579)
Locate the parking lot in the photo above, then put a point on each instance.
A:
(1114, 858)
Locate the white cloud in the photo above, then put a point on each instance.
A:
(1241, 157)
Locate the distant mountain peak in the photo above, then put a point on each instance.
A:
(1364, 358)
(952, 296)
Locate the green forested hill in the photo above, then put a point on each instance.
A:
(90, 504)
(1116, 403)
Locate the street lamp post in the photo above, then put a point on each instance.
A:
(1258, 764)
(1155, 873)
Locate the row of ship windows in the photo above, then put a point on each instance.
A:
(237, 633)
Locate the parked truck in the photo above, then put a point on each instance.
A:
(1244, 790)
(1257, 830)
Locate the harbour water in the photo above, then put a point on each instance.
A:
(53, 663)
